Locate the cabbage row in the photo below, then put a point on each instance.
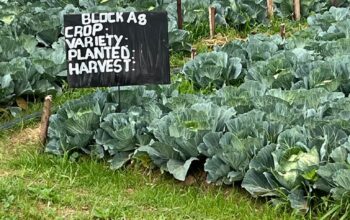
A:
(32, 51)
(277, 124)
(289, 145)
(313, 58)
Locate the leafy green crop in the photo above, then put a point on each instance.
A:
(213, 69)
(32, 56)
(277, 123)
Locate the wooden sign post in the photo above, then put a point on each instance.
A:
(283, 31)
(270, 9)
(212, 11)
(193, 53)
(45, 119)
(179, 14)
(296, 5)
(117, 49)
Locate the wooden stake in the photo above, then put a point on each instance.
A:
(45, 119)
(179, 15)
(296, 4)
(270, 9)
(212, 12)
(193, 53)
(283, 31)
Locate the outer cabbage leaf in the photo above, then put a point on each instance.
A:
(73, 127)
(213, 69)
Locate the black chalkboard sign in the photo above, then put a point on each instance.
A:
(117, 48)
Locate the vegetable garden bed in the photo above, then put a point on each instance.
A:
(268, 114)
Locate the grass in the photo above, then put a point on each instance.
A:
(42, 186)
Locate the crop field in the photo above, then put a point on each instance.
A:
(255, 125)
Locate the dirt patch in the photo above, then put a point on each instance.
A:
(68, 212)
(18, 141)
(218, 40)
(4, 173)
(25, 136)
(129, 191)
(63, 212)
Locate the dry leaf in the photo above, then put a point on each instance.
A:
(22, 103)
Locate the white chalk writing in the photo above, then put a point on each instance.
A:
(93, 48)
